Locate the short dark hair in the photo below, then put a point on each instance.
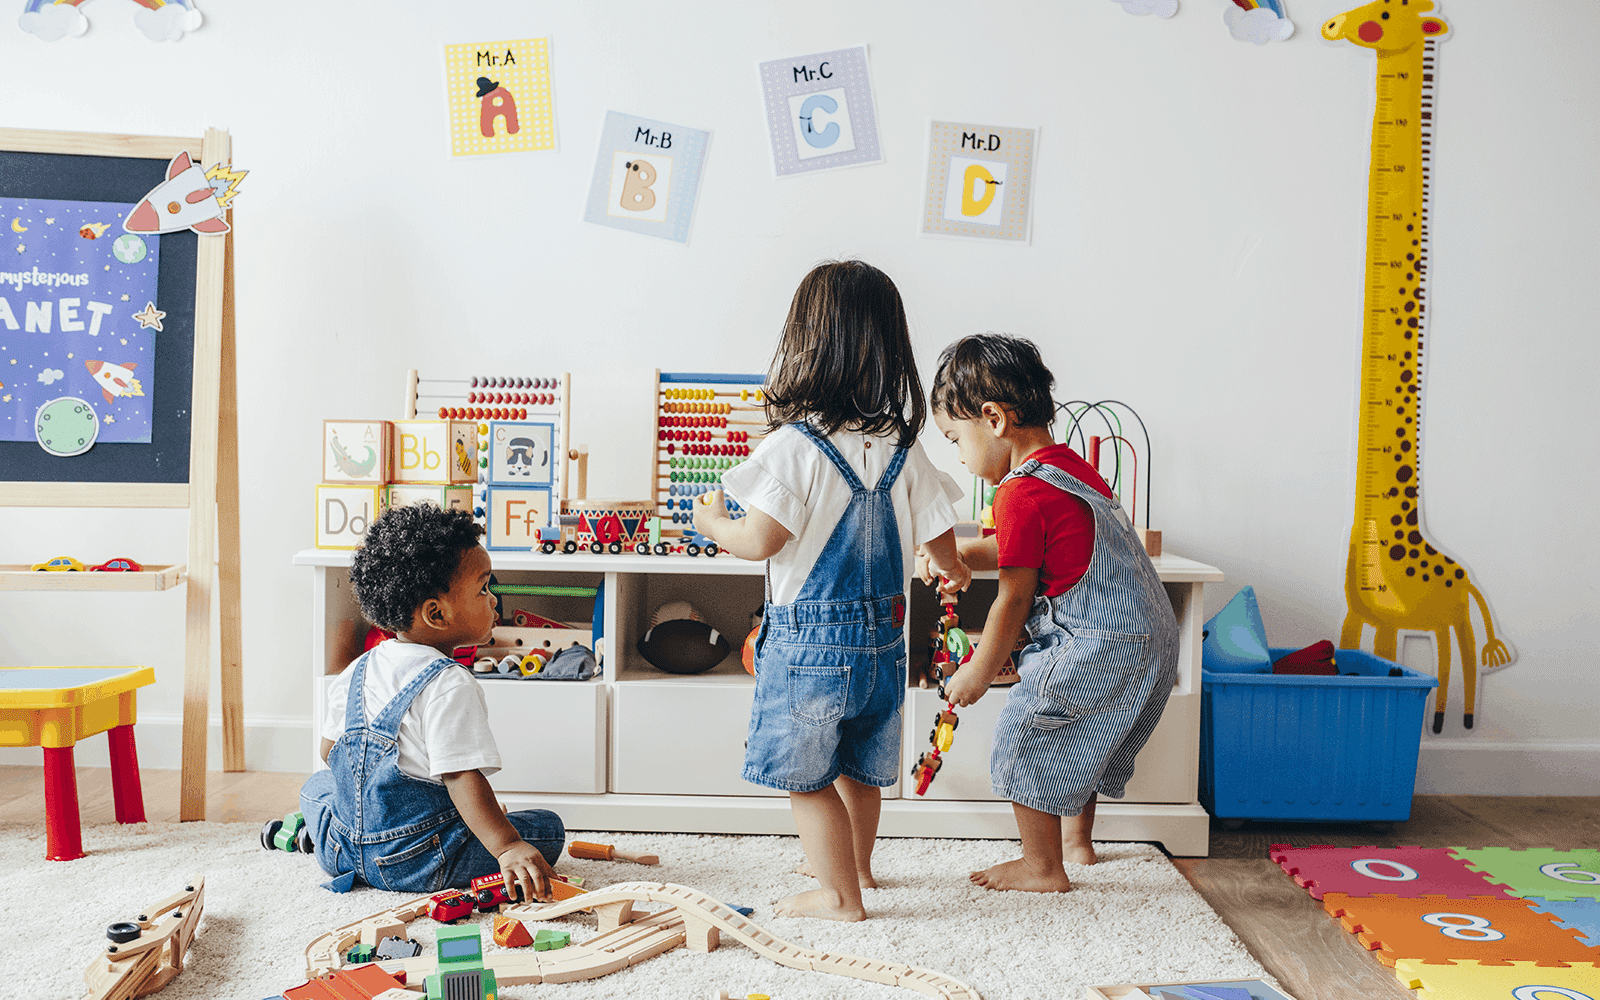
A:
(844, 360)
(411, 553)
(995, 367)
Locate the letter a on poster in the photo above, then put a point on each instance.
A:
(498, 96)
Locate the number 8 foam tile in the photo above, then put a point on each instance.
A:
(1394, 871)
(1434, 929)
(1540, 871)
(1516, 981)
(1581, 915)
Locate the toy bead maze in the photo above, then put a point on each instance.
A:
(1459, 924)
(1395, 578)
(705, 425)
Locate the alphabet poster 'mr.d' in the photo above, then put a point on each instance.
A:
(819, 111)
(980, 181)
(498, 95)
(78, 324)
(646, 176)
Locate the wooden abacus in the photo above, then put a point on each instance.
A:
(704, 424)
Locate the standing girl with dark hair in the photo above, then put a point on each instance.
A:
(838, 495)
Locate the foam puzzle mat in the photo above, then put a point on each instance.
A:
(1458, 924)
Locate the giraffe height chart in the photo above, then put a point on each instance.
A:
(1396, 579)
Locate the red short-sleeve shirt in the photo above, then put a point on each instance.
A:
(1038, 526)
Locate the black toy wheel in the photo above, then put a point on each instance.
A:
(569, 547)
(270, 829)
(596, 547)
(712, 550)
(122, 932)
(303, 841)
(692, 549)
(662, 548)
(614, 547)
(547, 547)
(643, 549)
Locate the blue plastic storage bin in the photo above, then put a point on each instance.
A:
(1312, 748)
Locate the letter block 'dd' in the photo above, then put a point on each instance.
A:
(448, 497)
(514, 514)
(356, 451)
(435, 451)
(345, 512)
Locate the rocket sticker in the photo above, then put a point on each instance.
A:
(190, 198)
(115, 380)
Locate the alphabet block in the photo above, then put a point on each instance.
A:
(514, 513)
(356, 451)
(522, 453)
(448, 497)
(344, 513)
(435, 451)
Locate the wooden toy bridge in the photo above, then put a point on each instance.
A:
(627, 938)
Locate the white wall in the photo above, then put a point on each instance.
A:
(1197, 251)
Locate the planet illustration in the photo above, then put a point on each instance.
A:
(65, 427)
(129, 248)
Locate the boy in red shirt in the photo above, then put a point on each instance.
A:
(1103, 641)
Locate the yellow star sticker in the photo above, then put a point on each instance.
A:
(150, 317)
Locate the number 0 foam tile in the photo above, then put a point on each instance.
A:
(1434, 929)
(1538, 871)
(1393, 871)
(1581, 915)
(1516, 981)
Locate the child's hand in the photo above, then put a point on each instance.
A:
(920, 568)
(522, 864)
(708, 512)
(956, 573)
(966, 687)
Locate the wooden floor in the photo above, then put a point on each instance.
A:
(1286, 930)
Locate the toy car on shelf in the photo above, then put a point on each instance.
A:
(118, 565)
(60, 564)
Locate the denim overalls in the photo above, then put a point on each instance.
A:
(1096, 673)
(370, 820)
(831, 667)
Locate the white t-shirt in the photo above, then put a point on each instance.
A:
(789, 479)
(446, 728)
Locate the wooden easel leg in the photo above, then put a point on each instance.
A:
(228, 533)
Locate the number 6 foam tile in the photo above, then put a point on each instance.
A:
(1394, 871)
(1434, 929)
(1581, 915)
(1539, 871)
(1516, 981)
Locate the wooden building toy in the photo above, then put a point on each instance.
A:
(362, 982)
(548, 940)
(509, 933)
(435, 451)
(606, 852)
(146, 954)
(705, 424)
(514, 516)
(344, 513)
(448, 497)
(520, 453)
(356, 451)
(460, 970)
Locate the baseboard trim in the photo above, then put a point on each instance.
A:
(271, 743)
(1468, 766)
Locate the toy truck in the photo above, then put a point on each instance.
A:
(460, 971)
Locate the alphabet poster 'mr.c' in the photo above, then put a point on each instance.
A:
(980, 181)
(819, 111)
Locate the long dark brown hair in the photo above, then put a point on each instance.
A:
(844, 360)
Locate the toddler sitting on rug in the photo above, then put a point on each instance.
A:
(405, 803)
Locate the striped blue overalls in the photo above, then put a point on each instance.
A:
(1095, 675)
(831, 666)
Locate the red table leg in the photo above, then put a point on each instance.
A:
(63, 833)
(126, 791)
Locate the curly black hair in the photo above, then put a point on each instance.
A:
(411, 554)
(994, 368)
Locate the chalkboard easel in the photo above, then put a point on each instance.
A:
(191, 460)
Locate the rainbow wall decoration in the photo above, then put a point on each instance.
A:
(159, 20)
(1257, 21)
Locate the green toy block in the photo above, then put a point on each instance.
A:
(1539, 871)
(360, 953)
(547, 940)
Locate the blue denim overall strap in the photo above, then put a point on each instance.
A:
(376, 803)
(862, 559)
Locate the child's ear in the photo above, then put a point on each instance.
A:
(433, 614)
(996, 417)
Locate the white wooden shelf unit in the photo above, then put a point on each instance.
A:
(640, 749)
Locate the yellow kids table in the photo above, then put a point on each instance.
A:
(54, 708)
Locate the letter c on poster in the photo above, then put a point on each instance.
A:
(828, 136)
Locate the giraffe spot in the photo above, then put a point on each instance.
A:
(1411, 256)
(1403, 473)
(1408, 332)
(1411, 491)
(1424, 564)
(1410, 306)
(1400, 409)
(1404, 505)
(1459, 573)
(1411, 519)
(1415, 538)
(1402, 291)
(1397, 552)
(1397, 321)
(1424, 578)
(1410, 227)
(1413, 553)
(1411, 571)
(1396, 519)
(1405, 376)
(1405, 445)
(1408, 355)
(1411, 321)
(1408, 420)
(1399, 432)
(1400, 535)
(1448, 583)
(1431, 550)
(1449, 560)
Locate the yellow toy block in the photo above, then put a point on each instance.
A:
(1516, 981)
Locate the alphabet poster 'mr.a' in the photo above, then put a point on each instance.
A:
(498, 96)
(820, 113)
(980, 181)
(646, 176)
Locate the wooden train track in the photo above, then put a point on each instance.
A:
(154, 956)
(627, 938)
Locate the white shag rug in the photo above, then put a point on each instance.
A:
(1131, 918)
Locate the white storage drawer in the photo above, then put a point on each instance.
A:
(681, 737)
(551, 734)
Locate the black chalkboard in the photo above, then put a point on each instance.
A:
(166, 458)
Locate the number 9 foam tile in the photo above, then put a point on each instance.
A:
(1516, 981)
(1394, 871)
(1539, 871)
(1581, 915)
(1435, 929)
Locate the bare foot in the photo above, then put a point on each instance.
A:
(1020, 875)
(866, 881)
(817, 903)
(1078, 854)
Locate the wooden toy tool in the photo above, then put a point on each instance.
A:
(606, 852)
